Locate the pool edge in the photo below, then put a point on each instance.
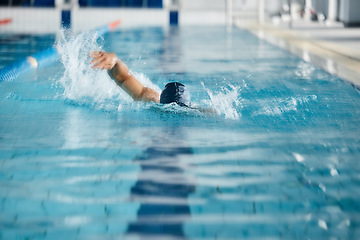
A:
(328, 55)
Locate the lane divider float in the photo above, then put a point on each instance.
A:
(42, 58)
(5, 21)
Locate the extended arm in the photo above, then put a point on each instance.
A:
(122, 76)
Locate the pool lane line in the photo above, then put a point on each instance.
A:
(329, 56)
(42, 58)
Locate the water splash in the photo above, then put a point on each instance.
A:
(226, 102)
(84, 85)
(81, 83)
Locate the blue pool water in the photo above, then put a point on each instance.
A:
(80, 160)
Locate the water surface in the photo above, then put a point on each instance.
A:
(279, 159)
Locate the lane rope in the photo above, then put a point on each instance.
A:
(43, 58)
(5, 21)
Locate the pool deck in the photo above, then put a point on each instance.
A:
(330, 46)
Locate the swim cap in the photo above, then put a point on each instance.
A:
(175, 92)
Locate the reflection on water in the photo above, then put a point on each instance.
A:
(171, 58)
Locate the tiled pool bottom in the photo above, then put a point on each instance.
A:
(196, 193)
(280, 162)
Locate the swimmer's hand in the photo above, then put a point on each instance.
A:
(103, 60)
(109, 61)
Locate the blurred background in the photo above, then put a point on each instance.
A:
(44, 16)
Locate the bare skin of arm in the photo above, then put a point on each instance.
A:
(120, 73)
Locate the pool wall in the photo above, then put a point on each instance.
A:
(48, 20)
(30, 20)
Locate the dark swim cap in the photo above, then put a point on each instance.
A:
(175, 92)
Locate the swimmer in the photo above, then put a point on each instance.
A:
(174, 92)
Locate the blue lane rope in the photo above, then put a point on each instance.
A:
(12, 71)
(40, 59)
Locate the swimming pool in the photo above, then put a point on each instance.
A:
(79, 159)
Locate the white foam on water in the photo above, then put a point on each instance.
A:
(298, 157)
(278, 106)
(225, 102)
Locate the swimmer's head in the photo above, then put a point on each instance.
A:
(175, 92)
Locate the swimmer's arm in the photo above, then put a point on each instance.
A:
(120, 73)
